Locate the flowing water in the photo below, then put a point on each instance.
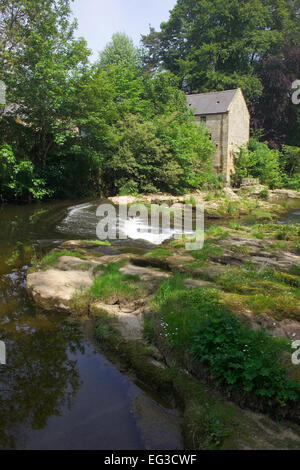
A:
(56, 390)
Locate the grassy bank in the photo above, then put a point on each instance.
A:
(208, 421)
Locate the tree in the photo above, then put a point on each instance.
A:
(120, 51)
(42, 65)
(220, 44)
(46, 65)
(142, 132)
(274, 111)
(259, 161)
(157, 155)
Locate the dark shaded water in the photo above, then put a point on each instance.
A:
(56, 390)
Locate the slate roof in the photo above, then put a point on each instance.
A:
(211, 103)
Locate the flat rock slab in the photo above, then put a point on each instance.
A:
(129, 325)
(54, 288)
(146, 274)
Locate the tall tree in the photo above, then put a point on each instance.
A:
(219, 44)
(120, 51)
(40, 64)
(275, 112)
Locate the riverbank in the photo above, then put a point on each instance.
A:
(256, 201)
(248, 269)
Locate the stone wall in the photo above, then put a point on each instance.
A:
(239, 129)
(217, 124)
(229, 131)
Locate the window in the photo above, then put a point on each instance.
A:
(203, 119)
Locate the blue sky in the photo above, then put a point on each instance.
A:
(99, 19)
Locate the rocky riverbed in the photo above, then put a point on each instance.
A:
(230, 253)
(255, 269)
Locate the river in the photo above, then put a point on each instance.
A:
(57, 391)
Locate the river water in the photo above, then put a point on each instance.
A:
(56, 390)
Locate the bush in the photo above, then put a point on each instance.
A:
(129, 189)
(17, 180)
(167, 153)
(238, 357)
(259, 161)
(264, 194)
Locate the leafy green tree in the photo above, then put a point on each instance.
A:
(17, 178)
(120, 51)
(219, 44)
(275, 112)
(42, 65)
(80, 131)
(259, 161)
(159, 155)
(290, 163)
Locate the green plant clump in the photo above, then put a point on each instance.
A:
(98, 242)
(237, 356)
(51, 258)
(113, 283)
(159, 253)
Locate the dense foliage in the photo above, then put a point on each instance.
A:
(79, 130)
(273, 168)
(223, 44)
(220, 44)
(121, 125)
(274, 111)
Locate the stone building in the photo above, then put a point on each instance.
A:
(226, 115)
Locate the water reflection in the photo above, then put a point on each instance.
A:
(39, 377)
(56, 391)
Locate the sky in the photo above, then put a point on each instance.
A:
(98, 20)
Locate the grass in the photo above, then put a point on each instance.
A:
(208, 251)
(53, 257)
(262, 214)
(217, 232)
(112, 284)
(241, 250)
(98, 242)
(196, 323)
(80, 304)
(159, 253)
(191, 201)
(289, 232)
(264, 291)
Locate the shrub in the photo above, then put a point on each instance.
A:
(129, 189)
(167, 153)
(237, 357)
(17, 178)
(242, 358)
(264, 194)
(259, 161)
